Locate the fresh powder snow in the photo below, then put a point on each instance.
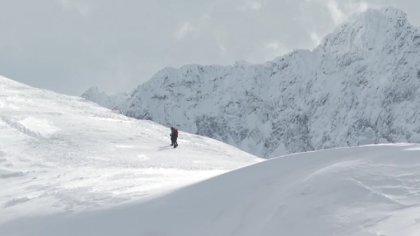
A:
(65, 154)
(359, 191)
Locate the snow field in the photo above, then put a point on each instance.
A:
(64, 154)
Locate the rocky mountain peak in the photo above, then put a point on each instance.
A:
(372, 30)
(360, 86)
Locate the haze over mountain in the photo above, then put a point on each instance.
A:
(113, 102)
(359, 86)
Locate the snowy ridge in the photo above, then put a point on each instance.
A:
(359, 191)
(113, 102)
(360, 86)
(63, 154)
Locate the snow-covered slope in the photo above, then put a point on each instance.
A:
(362, 191)
(61, 153)
(361, 85)
(113, 102)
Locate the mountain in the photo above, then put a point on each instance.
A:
(114, 102)
(359, 86)
(61, 154)
(359, 191)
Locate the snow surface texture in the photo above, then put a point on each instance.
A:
(363, 191)
(361, 85)
(60, 153)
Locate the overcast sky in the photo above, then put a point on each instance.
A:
(70, 45)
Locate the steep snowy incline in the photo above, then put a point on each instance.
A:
(360, 86)
(60, 153)
(361, 191)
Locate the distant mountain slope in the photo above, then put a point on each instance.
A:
(359, 86)
(60, 153)
(113, 102)
(370, 191)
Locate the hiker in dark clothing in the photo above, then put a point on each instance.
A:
(174, 137)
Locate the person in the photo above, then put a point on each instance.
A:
(174, 137)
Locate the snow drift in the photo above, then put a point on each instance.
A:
(361, 85)
(371, 190)
(60, 153)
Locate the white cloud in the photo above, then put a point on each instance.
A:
(316, 39)
(222, 49)
(335, 12)
(184, 30)
(251, 5)
(147, 35)
(274, 49)
(363, 6)
(274, 45)
(340, 11)
(220, 35)
(82, 7)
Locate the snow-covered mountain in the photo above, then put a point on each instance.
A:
(113, 102)
(361, 85)
(359, 191)
(60, 153)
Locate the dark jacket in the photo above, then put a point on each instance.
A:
(174, 133)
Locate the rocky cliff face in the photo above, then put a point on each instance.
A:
(359, 86)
